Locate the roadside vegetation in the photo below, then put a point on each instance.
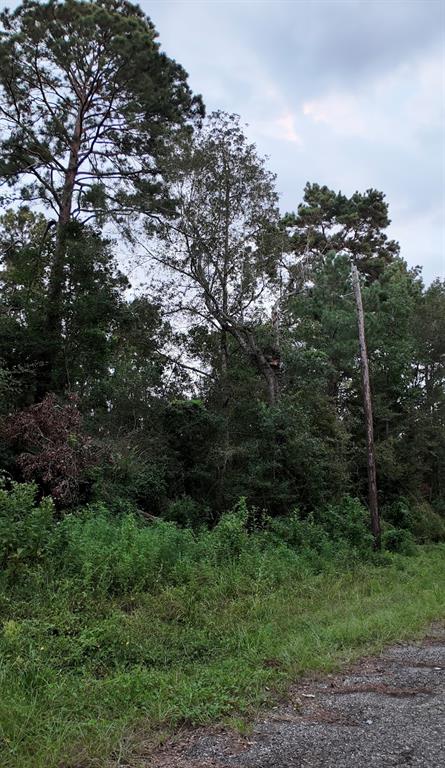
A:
(184, 449)
(115, 632)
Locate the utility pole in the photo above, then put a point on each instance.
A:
(367, 404)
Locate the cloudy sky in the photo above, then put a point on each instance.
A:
(348, 93)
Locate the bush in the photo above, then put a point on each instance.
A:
(347, 521)
(300, 533)
(25, 527)
(398, 513)
(96, 551)
(230, 537)
(187, 513)
(426, 524)
(398, 540)
(126, 481)
(117, 555)
(420, 519)
(54, 449)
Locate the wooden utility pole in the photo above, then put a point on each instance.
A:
(367, 404)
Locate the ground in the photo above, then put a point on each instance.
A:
(383, 712)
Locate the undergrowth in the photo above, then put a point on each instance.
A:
(112, 628)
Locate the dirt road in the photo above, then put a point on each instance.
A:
(384, 712)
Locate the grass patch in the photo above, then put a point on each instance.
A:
(81, 671)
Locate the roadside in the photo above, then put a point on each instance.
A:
(385, 711)
(113, 676)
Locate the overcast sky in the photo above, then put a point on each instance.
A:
(348, 93)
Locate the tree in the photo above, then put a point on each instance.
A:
(89, 106)
(405, 348)
(25, 253)
(224, 245)
(367, 407)
(91, 307)
(424, 453)
(330, 221)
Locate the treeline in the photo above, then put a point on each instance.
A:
(169, 342)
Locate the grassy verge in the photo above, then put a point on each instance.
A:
(79, 674)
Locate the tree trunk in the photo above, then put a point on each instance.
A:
(53, 320)
(277, 350)
(224, 393)
(367, 403)
(247, 342)
(224, 347)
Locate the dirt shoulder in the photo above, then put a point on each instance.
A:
(385, 711)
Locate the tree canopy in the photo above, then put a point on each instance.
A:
(207, 350)
(90, 108)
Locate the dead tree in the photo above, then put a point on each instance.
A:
(367, 405)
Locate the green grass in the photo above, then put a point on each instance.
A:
(81, 676)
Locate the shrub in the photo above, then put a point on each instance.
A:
(398, 540)
(117, 555)
(300, 533)
(187, 512)
(420, 519)
(25, 526)
(347, 521)
(96, 551)
(230, 537)
(398, 513)
(126, 481)
(426, 524)
(55, 452)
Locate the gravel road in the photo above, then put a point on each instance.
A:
(386, 711)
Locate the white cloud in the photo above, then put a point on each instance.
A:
(340, 111)
(281, 128)
(286, 128)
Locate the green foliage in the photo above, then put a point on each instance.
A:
(230, 536)
(202, 418)
(427, 525)
(186, 447)
(104, 553)
(187, 512)
(347, 521)
(91, 307)
(337, 530)
(119, 555)
(125, 479)
(110, 623)
(190, 428)
(330, 221)
(193, 392)
(41, 104)
(301, 533)
(398, 540)
(26, 528)
(90, 109)
(418, 518)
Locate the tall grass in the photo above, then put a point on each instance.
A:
(111, 628)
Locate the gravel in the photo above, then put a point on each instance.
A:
(386, 711)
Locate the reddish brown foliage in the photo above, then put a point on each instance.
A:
(54, 450)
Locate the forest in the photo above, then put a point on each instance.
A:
(183, 440)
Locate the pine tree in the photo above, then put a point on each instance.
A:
(89, 106)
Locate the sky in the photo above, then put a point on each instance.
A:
(347, 93)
